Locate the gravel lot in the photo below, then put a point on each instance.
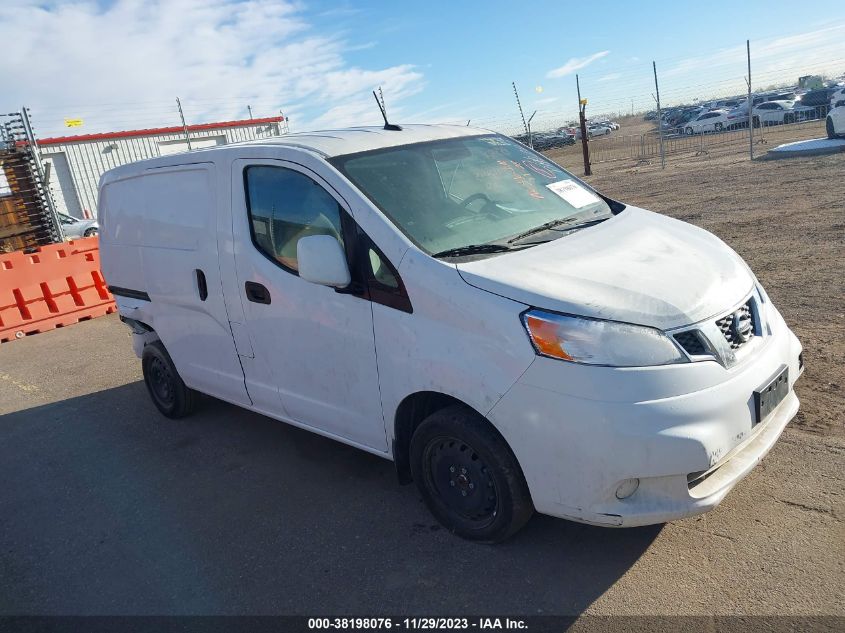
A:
(109, 508)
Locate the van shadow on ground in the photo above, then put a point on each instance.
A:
(109, 508)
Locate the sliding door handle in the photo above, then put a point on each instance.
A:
(202, 286)
(256, 292)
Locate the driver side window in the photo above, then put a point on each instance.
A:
(284, 206)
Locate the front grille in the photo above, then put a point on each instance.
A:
(730, 331)
(691, 342)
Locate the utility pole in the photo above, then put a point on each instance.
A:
(582, 116)
(750, 113)
(519, 105)
(249, 109)
(659, 118)
(184, 125)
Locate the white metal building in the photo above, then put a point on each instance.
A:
(74, 164)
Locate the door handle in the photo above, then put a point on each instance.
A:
(256, 292)
(202, 286)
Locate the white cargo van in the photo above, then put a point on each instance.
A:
(444, 297)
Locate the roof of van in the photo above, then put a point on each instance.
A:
(326, 143)
(361, 139)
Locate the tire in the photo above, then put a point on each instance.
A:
(788, 118)
(689, 131)
(755, 121)
(829, 126)
(91, 232)
(169, 393)
(468, 476)
(717, 127)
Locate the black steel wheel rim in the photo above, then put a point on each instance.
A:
(461, 479)
(161, 382)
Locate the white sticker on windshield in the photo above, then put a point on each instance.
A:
(573, 193)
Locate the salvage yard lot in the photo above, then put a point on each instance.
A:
(107, 507)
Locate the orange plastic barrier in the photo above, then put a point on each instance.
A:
(54, 286)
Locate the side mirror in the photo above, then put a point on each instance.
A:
(322, 261)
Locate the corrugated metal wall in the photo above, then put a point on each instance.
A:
(87, 160)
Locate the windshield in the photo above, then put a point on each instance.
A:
(449, 194)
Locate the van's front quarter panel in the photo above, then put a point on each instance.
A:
(459, 341)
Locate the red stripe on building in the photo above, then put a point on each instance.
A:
(104, 136)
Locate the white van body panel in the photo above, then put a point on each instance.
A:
(638, 267)
(459, 341)
(157, 229)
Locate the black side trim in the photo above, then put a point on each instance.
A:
(139, 327)
(129, 293)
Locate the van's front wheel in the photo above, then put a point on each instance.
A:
(169, 393)
(468, 476)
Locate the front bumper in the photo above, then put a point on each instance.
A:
(580, 431)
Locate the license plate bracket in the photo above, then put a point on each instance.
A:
(771, 394)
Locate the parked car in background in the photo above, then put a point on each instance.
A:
(837, 96)
(835, 122)
(597, 129)
(685, 115)
(820, 97)
(713, 121)
(779, 112)
(550, 140)
(611, 124)
(738, 117)
(75, 228)
(726, 104)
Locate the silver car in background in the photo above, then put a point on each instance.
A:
(76, 228)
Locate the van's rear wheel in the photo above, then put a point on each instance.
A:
(169, 393)
(468, 476)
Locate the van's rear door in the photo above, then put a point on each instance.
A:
(177, 234)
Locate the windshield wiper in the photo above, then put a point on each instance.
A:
(554, 224)
(473, 249)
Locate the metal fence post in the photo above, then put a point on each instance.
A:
(750, 114)
(582, 115)
(659, 118)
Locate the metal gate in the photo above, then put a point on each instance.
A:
(27, 213)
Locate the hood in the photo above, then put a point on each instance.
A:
(638, 267)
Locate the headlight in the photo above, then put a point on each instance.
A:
(597, 342)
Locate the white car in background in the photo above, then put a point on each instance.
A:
(779, 112)
(74, 228)
(597, 129)
(713, 121)
(611, 124)
(838, 98)
(835, 122)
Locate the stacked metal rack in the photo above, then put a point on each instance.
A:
(28, 217)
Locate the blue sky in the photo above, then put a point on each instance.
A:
(120, 64)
